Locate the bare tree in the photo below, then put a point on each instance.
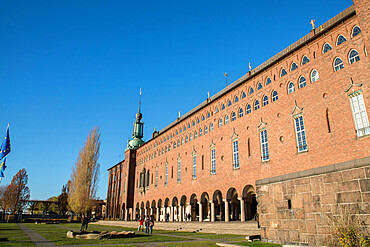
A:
(17, 193)
(84, 178)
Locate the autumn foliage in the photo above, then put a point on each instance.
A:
(84, 179)
(17, 194)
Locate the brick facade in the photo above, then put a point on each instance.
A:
(229, 193)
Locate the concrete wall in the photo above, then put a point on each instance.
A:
(313, 194)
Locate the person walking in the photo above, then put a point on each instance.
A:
(141, 222)
(147, 220)
(151, 224)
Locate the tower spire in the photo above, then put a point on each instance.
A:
(140, 101)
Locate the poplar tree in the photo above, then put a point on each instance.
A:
(84, 179)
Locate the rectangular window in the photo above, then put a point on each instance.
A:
(156, 177)
(235, 154)
(166, 176)
(300, 133)
(179, 172)
(264, 145)
(194, 166)
(213, 161)
(359, 114)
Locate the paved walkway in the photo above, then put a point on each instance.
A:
(36, 238)
(247, 228)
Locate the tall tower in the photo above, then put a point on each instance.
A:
(137, 133)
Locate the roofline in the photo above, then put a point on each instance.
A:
(313, 34)
(115, 165)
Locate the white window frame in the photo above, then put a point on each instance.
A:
(354, 59)
(213, 161)
(265, 156)
(194, 176)
(338, 66)
(300, 133)
(359, 113)
(313, 77)
(235, 146)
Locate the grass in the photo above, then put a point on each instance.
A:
(12, 235)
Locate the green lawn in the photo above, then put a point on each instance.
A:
(12, 235)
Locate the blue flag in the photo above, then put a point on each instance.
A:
(2, 168)
(5, 146)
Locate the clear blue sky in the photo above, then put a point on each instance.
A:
(67, 66)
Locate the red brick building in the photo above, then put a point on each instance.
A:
(302, 113)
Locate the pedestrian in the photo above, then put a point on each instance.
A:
(151, 224)
(147, 220)
(84, 223)
(141, 222)
(189, 217)
(186, 216)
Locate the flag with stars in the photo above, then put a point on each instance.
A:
(2, 168)
(5, 146)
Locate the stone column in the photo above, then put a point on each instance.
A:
(200, 211)
(141, 212)
(126, 215)
(171, 213)
(181, 213)
(213, 212)
(242, 208)
(227, 214)
(146, 212)
(151, 211)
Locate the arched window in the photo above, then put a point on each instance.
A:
(193, 123)
(169, 147)
(177, 132)
(256, 105)
(229, 103)
(338, 64)
(186, 139)
(203, 118)
(259, 86)
(233, 116)
(305, 60)
(178, 143)
(211, 127)
(243, 95)
(283, 72)
(180, 130)
(236, 99)
(184, 127)
(222, 106)
(356, 30)
(268, 81)
(220, 122)
(240, 112)
(341, 39)
(195, 135)
(191, 136)
(205, 129)
(293, 66)
(275, 96)
(326, 48)
(208, 114)
(265, 100)
(302, 82)
(353, 56)
(200, 132)
(216, 110)
(250, 91)
(226, 119)
(198, 120)
(314, 75)
(182, 141)
(248, 109)
(188, 125)
(174, 144)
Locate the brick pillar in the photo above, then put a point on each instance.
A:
(242, 208)
(213, 212)
(227, 213)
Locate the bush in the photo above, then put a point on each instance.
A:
(347, 228)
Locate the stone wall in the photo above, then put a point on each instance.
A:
(293, 208)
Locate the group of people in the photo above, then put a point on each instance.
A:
(149, 223)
